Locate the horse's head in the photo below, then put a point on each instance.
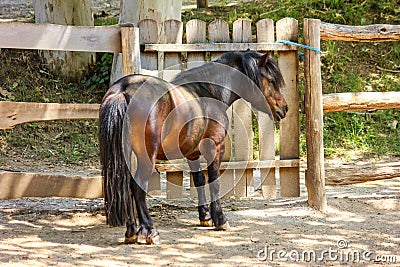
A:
(271, 82)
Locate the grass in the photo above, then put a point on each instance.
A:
(346, 67)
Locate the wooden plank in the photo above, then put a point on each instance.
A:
(195, 33)
(266, 126)
(252, 164)
(148, 34)
(315, 177)
(60, 37)
(173, 31)
(360, 174)
(174, 184)
(368, 33)
(360, 101)
(218, 32)
(218, 47)
(130, 51)
(14, 113)
(154, 188)
(287, 29)
(18, 184)
(242, 122)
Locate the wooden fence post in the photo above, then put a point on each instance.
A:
(266, 126)
(130, 50)
(315, 175)
(287, 29)
(218, 32)
(242, 121)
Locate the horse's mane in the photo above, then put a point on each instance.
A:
(245, 62)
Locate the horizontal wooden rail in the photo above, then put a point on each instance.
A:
(60, 37)
(217, 47)
(360, 101)
(361, 174)
(369, 33)
(20, 184)
(170, 167)
(14, 113)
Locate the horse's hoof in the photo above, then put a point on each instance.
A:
(152, 238)
(131, 240)
(223, 227)
(207, 223)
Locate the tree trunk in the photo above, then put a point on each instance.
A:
(202, 3)
(71, 12)
(133, 11)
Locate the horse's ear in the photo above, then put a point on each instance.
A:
(263, 59)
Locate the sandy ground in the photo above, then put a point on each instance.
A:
(361, 227)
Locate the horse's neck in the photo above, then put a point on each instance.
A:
(212, 80)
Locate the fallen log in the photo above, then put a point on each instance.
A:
(361, 174)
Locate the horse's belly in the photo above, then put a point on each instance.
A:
(183, 141)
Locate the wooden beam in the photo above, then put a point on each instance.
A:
(360, 101)
(60, 37)
(252, 164)
(369, 33)
(130, 50)
(14, 113)
(217, 47)
(361, 174)
(315, 177)
(18, 184)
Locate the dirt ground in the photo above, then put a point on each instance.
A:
(361, 227)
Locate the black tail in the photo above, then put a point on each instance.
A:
(116, 175)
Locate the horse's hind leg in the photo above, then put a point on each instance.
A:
(219, 219)
(146, 234)
(200, 182)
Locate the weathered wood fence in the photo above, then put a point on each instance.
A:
(165, 60)
(316, 103)
(172, 56)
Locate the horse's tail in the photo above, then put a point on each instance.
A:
(116, 175)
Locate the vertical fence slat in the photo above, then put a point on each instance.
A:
(266, 126)
(315, 175)
(148, 34)
(287, 29)
(195, 33)
(242, 121)
(173, 31)
(174, 184)
(218, 32)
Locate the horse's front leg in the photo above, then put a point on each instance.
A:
(200, 182)
(218, 217)
(139, 185)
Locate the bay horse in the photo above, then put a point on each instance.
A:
(144, 119)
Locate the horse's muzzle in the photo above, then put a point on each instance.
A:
(281, 112)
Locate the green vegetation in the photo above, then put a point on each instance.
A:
(347, 67)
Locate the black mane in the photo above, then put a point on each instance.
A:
(247, 63)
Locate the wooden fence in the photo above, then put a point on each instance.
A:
(165, 60)
(316, 103)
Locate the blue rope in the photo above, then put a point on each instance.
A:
(316, 50)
